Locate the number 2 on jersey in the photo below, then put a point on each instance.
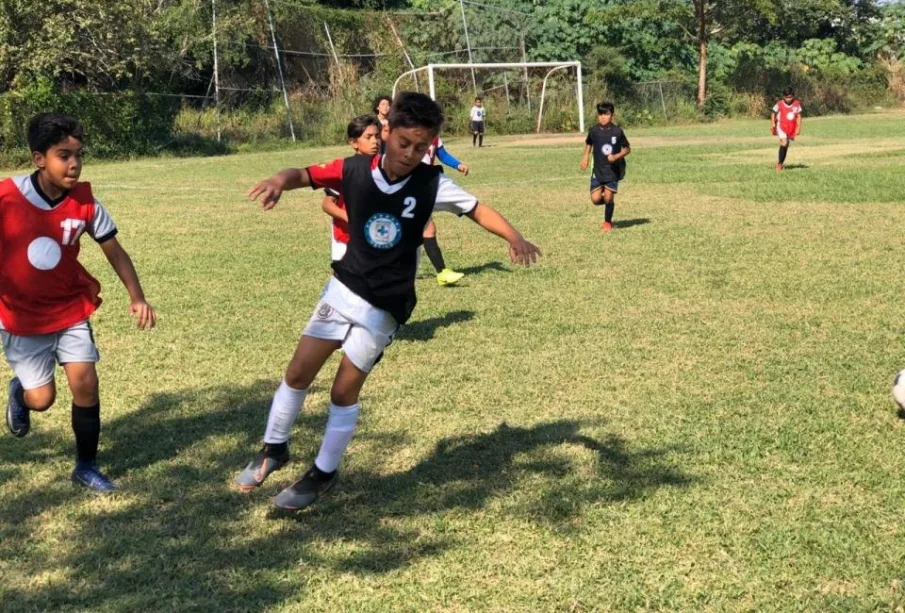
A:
(409, 211)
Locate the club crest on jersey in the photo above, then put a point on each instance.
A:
(383, 231)
(607, 149)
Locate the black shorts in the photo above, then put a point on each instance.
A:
(477, 127)
(613, 186)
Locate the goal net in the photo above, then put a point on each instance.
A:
(431, 70)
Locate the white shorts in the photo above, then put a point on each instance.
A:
(342, 315)
(337, 249)
(34, 358)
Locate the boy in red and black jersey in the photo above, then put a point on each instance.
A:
(389, 199)
(785, 122)
(47, 296)
(363, 134)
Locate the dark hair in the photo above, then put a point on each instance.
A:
(48, 129)
(414, 110)
(605, 107)
(380, 99)
(788, 91)
(358, 126)
(478, 99)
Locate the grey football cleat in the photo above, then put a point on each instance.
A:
(312, 485)
(17, 416)
(260, 468)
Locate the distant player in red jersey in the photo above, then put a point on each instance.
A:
(364, 137)
(785, 122)
(47, 297)
(389, 199)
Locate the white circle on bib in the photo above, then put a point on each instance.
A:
(44, 253)
(790, 115)
(607, 149)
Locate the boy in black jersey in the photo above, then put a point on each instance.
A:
(610, 146)
(389, 199)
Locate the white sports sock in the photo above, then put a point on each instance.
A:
(340, 428)
(284, 410)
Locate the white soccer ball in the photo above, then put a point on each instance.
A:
(898, 390)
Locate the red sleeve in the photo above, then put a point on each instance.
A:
(329, 175)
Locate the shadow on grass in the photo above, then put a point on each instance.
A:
(425, 329)
(628, 223)
(476, 270)
(179, 538)
(795, 167)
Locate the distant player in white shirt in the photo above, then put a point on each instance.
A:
(477, 123)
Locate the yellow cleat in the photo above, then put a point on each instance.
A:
(449, 277)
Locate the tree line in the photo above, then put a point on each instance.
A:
(56, 49)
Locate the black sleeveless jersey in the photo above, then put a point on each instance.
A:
(386, 224)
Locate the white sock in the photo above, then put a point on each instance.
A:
(340, 428)
(284, 410)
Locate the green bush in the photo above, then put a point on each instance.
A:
(116, 124)
(747, 79)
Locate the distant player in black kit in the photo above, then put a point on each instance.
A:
(389, 199)
(610, 146)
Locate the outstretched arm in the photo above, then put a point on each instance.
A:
(450, 160)
(270, 190)
(125, 270)
(520, 250)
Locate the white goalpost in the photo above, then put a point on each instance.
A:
(553, 66)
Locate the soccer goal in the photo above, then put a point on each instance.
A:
(553, 66)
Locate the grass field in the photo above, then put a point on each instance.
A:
(690, 413)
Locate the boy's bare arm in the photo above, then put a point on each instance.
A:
(331, 208)
(520, 250)
(585, 158)
(270, 190)
(121, 262)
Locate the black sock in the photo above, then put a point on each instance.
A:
(480, 140)
(782, 154)
(474, 139)
(86, 423)
(320, 475)
(608, 211)
(276, 450)
(432, 249)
